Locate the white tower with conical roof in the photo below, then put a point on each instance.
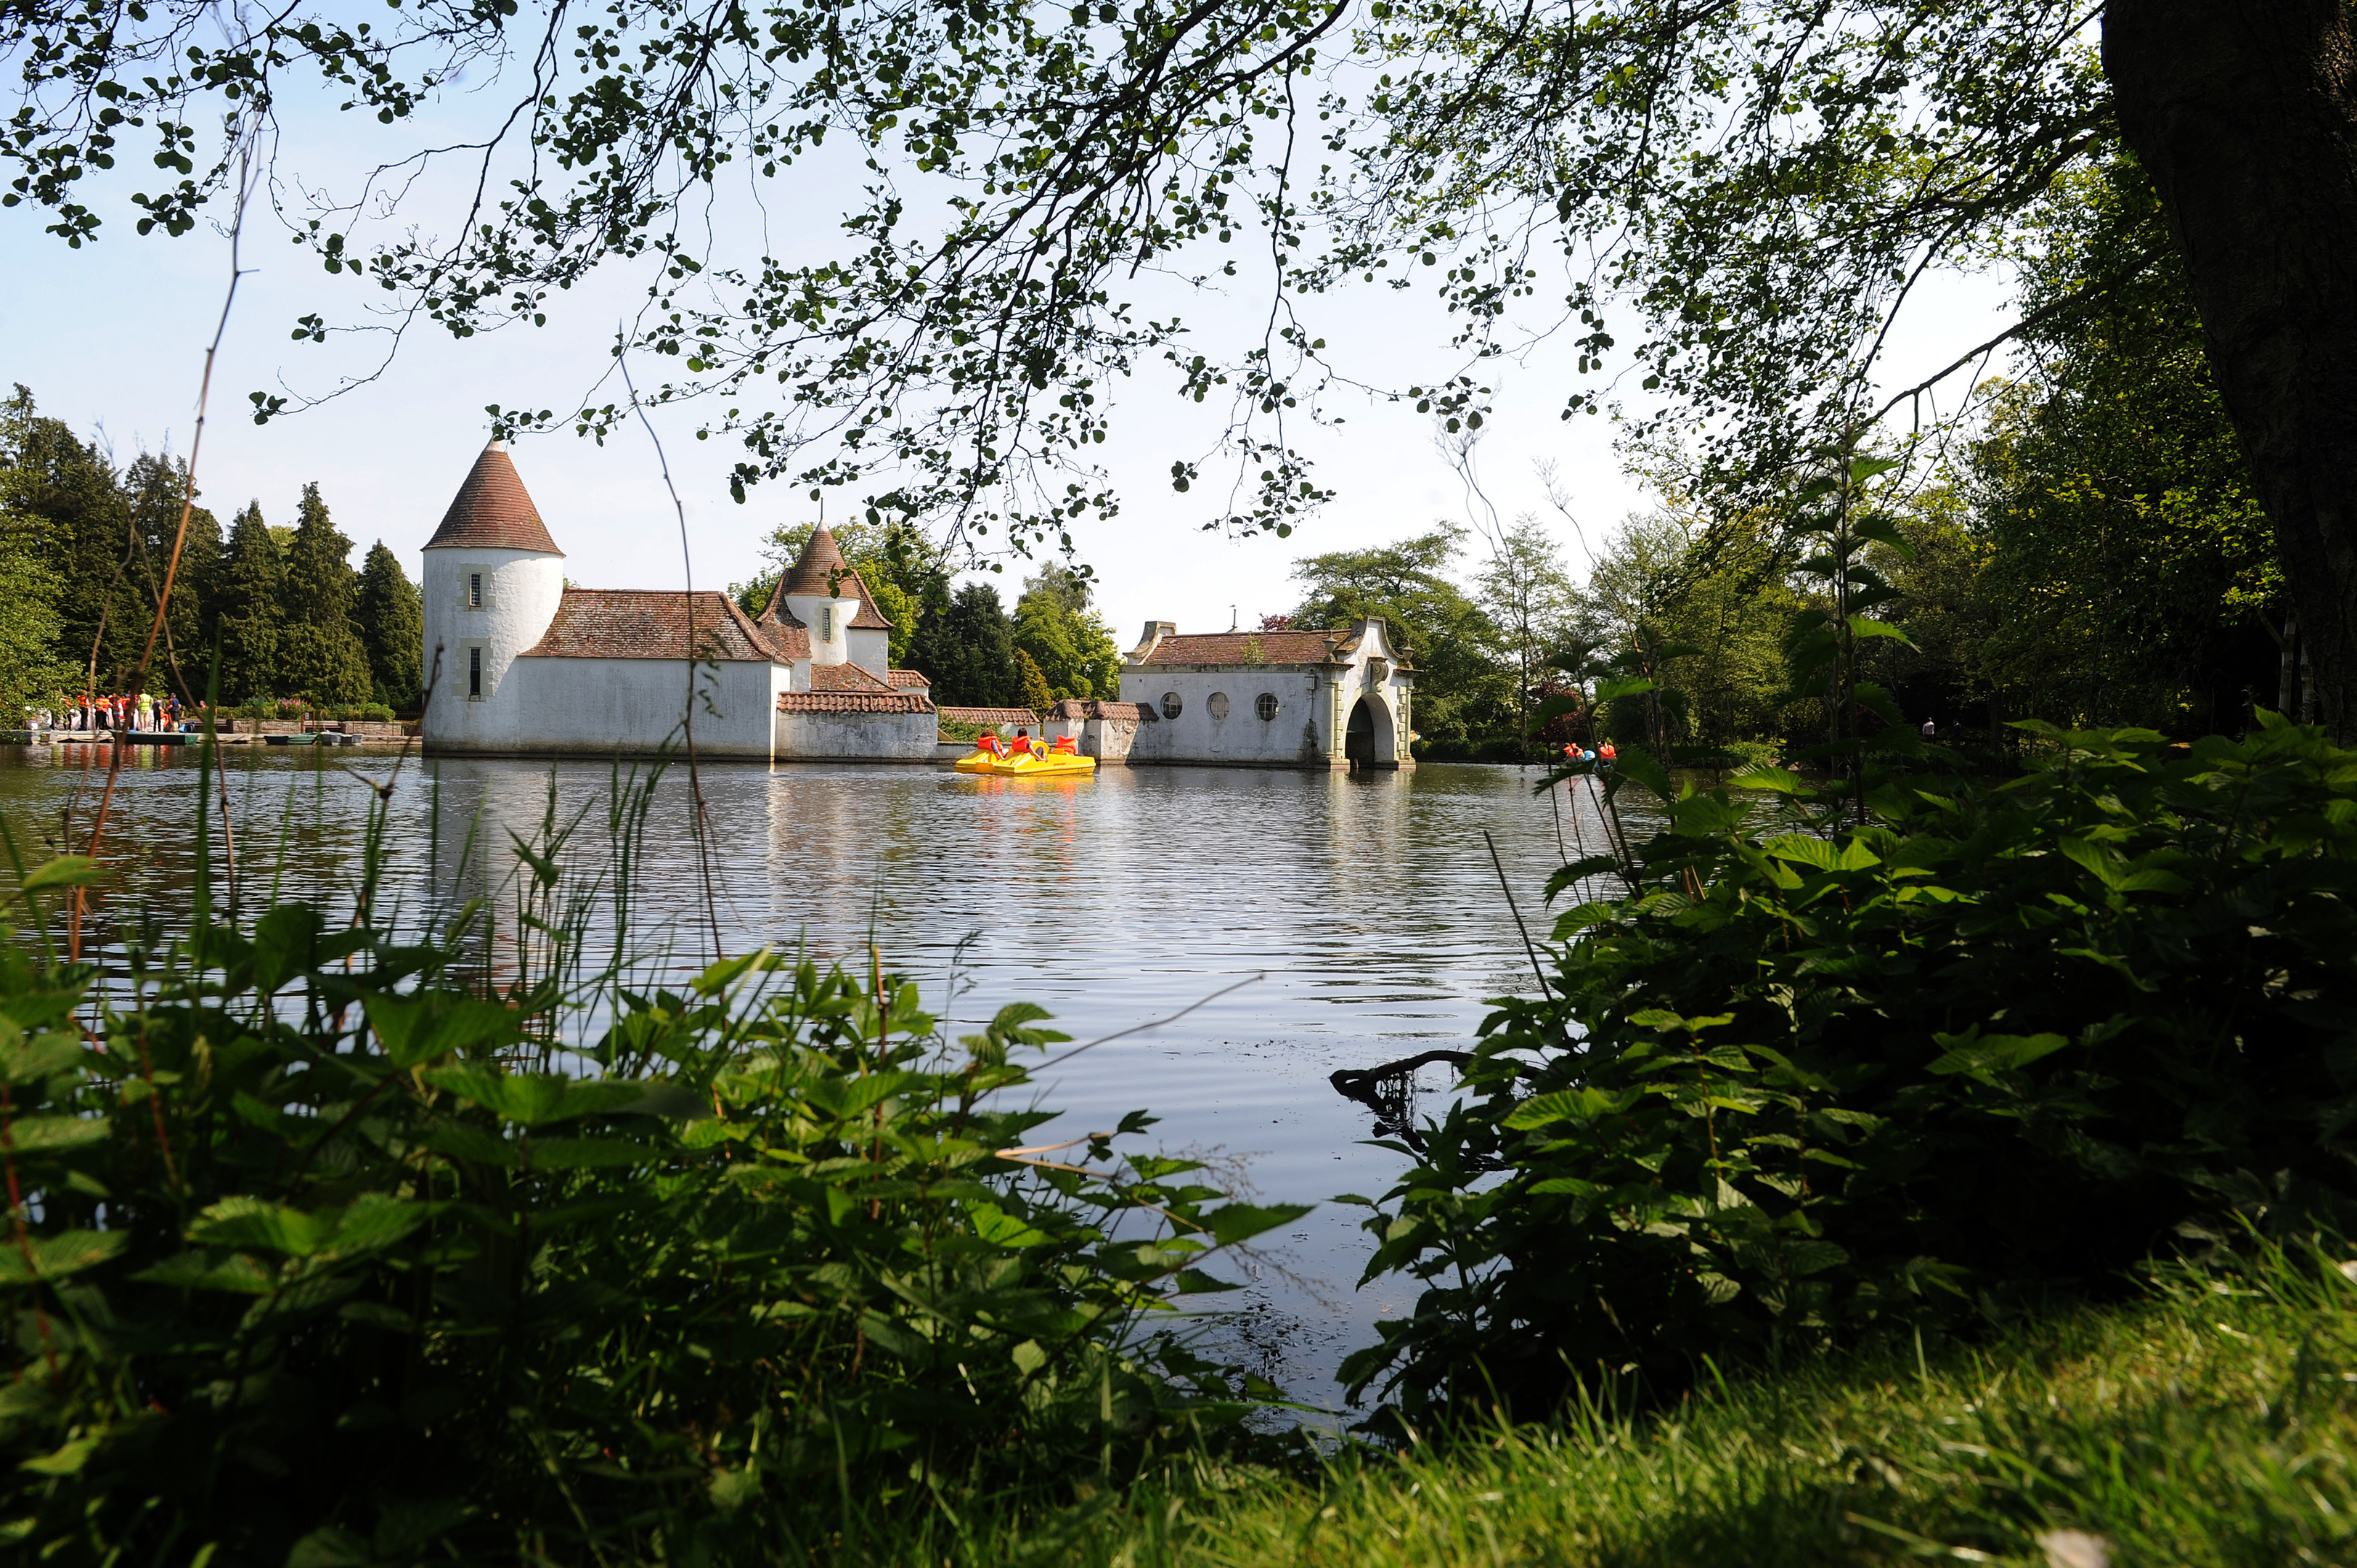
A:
(492, 582)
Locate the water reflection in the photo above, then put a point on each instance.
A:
(1367, 904)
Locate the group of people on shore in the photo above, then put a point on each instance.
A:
(142, 714)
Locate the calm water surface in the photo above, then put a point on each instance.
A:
(1366, 905)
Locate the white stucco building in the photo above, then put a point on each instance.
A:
(1267, 699)
(521, 664)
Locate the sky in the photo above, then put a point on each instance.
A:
(110, 338)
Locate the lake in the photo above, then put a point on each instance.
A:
(1362, 909)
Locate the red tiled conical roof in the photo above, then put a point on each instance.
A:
(823, 574)
(821, 560)
(492, 512)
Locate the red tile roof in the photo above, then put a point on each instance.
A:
(1075, 708)
(823, 573)
(492, 511)
(853, 702)
(910, 680)
(990, 715)
(1251, 648)
(650, 623)
(846, 678)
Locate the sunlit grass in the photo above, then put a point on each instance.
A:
(2211, 1423)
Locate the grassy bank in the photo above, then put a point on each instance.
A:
(2212, 1424)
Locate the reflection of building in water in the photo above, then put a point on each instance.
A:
(526, 664)
(1333, 700)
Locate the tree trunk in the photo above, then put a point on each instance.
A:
(2244, 113)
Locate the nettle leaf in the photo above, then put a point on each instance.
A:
(1233, 1222)
(1582, 1105)
(44, 1056)
(1981, 1054)
(55, 1134)
(537, 1098)
(416, 1029)
(55, 1257)
(1000, 1228)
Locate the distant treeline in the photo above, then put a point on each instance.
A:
(83, 552)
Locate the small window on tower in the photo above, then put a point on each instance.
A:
(474, 671)
(474, 590)
(826, 624)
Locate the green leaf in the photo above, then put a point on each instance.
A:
(1233, 1222)
(419, 1030)
(537, 1098)
(55, 1257)
(65, 870)
(47, 1134)
(1980, 1055)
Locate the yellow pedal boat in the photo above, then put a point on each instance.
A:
(1000, 760)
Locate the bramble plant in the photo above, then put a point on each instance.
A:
(325, 1249)
(1999, 1046)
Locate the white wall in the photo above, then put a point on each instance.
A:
(1314, 705)
(871, 649)
(830, 635)
(521, 590)
(857, 737)
(596, 707)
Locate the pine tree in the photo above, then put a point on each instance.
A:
(156, 485)
(965, 644)
(71, 488)
(392, 620)
(246, 606)
(320, 656)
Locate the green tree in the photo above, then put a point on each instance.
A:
(32, 674)
(156, 484)
(321, 656)
(1461, 694)
(391, 614)
(1527, 593)
(247, 612)
(2128, 571)
(1032, 683)
(1062, 634)
(88, 541)
(964, 645)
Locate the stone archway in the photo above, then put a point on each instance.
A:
(1370, 740)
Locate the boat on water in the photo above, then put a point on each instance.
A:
(1026, 757)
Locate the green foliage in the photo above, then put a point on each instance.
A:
(1065, 638)
(31, 672)
(1993, 1049)
(965, 647)
(1032, 684)
(2128, 572)
(247, 608)
(326, 1254)
(390, 614)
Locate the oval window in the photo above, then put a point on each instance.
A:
(1218, 705)
(1171, 705)
(1266, 707)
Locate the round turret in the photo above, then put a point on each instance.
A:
(492, 582)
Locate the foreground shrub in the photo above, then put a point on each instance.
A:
(321, 1254)
(1994, 1048)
